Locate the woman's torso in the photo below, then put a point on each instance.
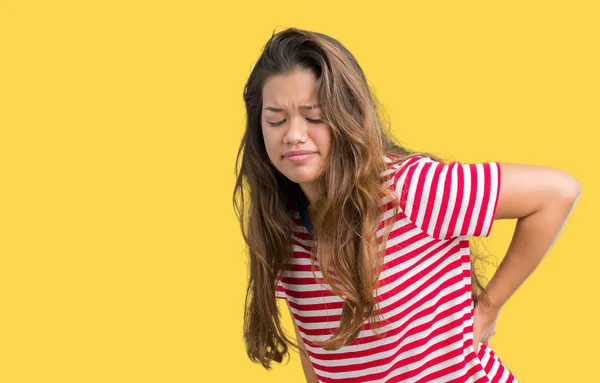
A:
(424, 295)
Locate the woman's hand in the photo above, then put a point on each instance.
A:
(484, 324)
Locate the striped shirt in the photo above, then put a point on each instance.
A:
(424, 289)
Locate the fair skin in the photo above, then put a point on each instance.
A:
(291, 121)
(540, 198)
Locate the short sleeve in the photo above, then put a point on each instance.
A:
(448, 200)
(279, 288)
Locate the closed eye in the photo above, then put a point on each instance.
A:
(308, 119)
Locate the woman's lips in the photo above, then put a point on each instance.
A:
(298, 158)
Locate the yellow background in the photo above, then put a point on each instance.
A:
(121, 257)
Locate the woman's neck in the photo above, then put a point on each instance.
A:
(310, 191)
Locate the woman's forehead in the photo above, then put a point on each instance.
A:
(292, 91)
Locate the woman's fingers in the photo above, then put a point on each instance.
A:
(477, 335)
(486, 339)
(476, 341)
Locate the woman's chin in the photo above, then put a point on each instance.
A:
(301, 178)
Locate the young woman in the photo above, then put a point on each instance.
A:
(367, 242)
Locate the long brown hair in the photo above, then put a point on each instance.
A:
(346, 216)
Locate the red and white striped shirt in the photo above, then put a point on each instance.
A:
(424, 289)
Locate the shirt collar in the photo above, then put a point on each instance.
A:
(302, 210)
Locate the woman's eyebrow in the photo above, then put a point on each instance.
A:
(273, 109)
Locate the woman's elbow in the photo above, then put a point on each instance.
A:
(570, 190)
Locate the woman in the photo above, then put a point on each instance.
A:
(367, 242)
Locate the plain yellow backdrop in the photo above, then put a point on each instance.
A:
(121, 257)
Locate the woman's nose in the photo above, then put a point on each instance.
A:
(297, 129)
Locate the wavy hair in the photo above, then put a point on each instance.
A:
(348, 212)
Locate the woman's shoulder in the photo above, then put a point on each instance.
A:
(393, 159)
(395, 163)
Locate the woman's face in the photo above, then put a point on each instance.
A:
(291, 121)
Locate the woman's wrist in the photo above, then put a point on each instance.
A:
(487, 303)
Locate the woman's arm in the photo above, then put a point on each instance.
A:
(309, 372)
(541, 198)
